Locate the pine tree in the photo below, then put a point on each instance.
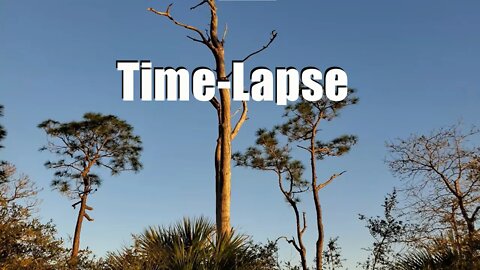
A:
(102, 141)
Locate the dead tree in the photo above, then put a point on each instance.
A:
(223, 153)
(441, 181)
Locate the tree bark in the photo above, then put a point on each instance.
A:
(78, 229)
(223, 161)
(81, 211)
(224, 191)
(302, 250)
(318, 207)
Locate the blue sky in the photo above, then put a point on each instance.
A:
(414, 63)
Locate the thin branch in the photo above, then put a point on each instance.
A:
(199, 4)
(324, 184)
(290, 241)
(186, 26)
(216, 104)
(87, 217)
(272, 38)
(304, 148)
(75, 204)
(224, 34)
(240, 122)
(195, 39)
(304, 223)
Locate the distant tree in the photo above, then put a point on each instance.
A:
(332, 255)
(214, 42)
(192, 244)
(269, 155)
(303, 126)
(96, 141)
(441, 178)
(387, 231)
(3, 132)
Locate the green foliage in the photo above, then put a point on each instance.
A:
(25, 241)
(269, 155)
(192, 244)
(96, 141)
(332, 255)
(438, 258)
(303, 118)
(386, 231)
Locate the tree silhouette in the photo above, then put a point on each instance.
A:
(386, 232)
(223, 151)
(96, 141)
(333, 255)
(3, 132)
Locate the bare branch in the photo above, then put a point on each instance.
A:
(75, 204)
(290, 241)
(304, 148)
(195, 39)
(272, 38)
(224, 34)
(304, 223)
(324, 184)
(87, 217)
(215, 103)
(242, 119)
(199, 4)
(167, 14)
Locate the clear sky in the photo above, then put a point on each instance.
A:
(414, 63)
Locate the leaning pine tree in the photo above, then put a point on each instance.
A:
(302, 126)
(269, 155)
(223, 151)
(96, 141)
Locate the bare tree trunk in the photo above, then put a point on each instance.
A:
(81, 214)
(223, 219)
(320, 240)
(302, 250)
(223, 186)
(78, 229)
(300, 247)
(223, 151)
(318, 207)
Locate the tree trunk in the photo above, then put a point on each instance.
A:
(303, 250)
(320, 240)
(78, 229)
(224, 188)
(318, 207)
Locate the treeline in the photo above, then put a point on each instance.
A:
(434, 226)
